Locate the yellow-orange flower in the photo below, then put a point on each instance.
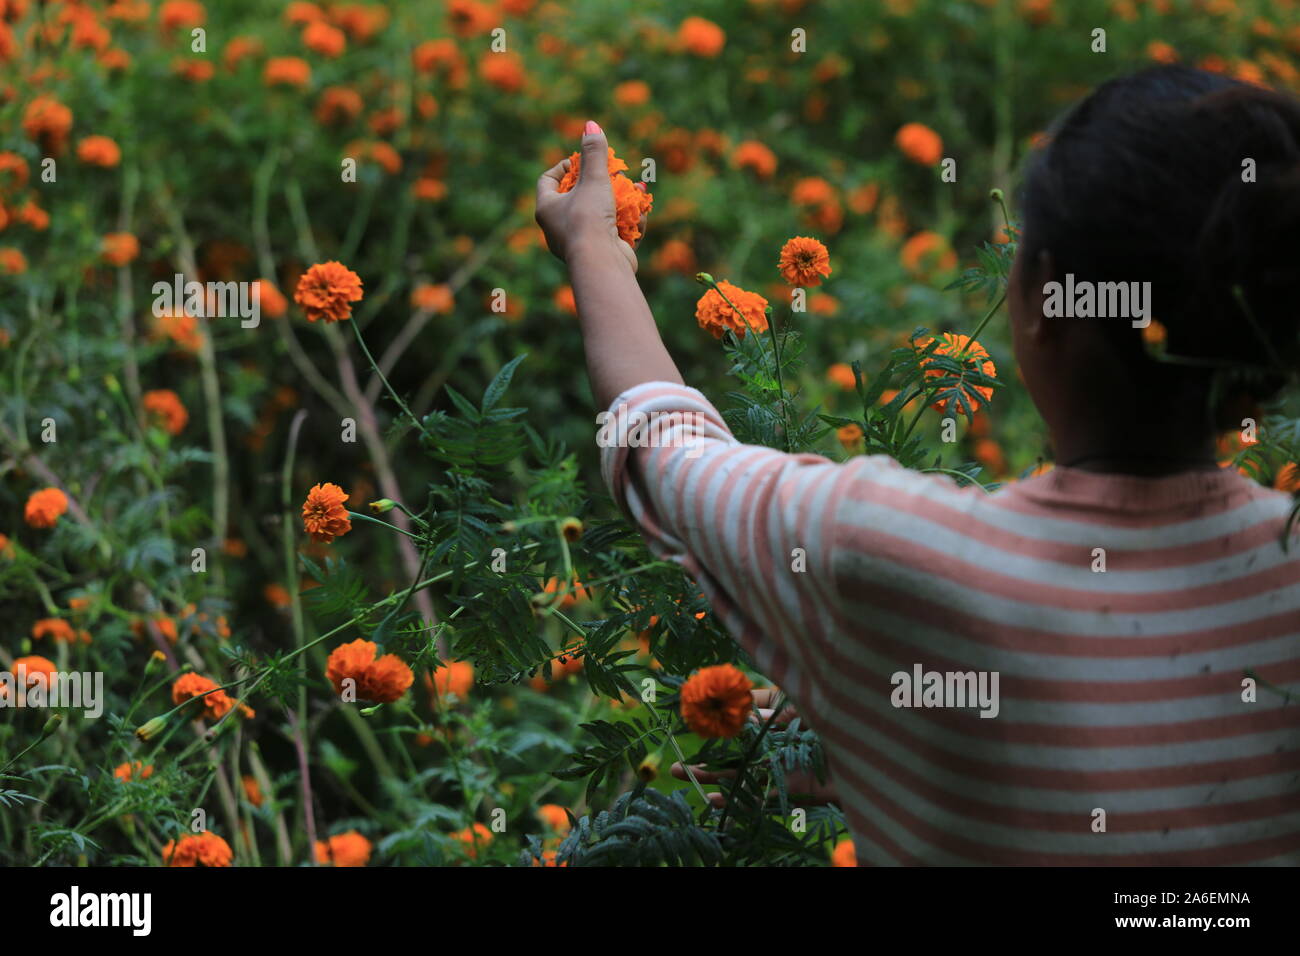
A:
(716, 701)
(804, 262)
(456, 677)
(754, 156)
(841, 374)
(119, 248)
(99, 151)
(33, 669)
(701, 37)
(844, 854)
(927, 250)
(198, 849)
(632, 93)
(849, 435)
(45, 507)
(1288, 478)
(181, 13)
(58, 630)
(344, 849)
(919, 143)
(252, 791)
(271, 300)
(12, 262)
(432, 298)
(320, 37)
(554, 817)
(216, 703)
(286, 71)
(133, 771)
(967, 352)
(323, 514)
(473, 837)
(631, 200)
(47, 122)
(505, 71)
(716, 316)
(165, 405)
(327, 290)
(381, 680)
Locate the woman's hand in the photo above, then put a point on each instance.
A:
(583, 218)
(803, 787)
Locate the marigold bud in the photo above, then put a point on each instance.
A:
(51, 725)
(151, 728)
(649, 768)
(703, 278)
(571, 529)
(382, 505)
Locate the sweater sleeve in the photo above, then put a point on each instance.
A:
(752, 525)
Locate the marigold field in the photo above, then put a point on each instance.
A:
(348, 569)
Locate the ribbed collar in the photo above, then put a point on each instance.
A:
(1134, 493)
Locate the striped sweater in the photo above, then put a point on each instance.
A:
(1125, 732)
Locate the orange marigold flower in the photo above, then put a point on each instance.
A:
(320, 37)
(565, 301)
(429, 189)
(323, 514)
(99, 151)
(182, 328)
(119, 248)
(754, 156)
(45, 507)
(432, 298)
(133, 771)
(13, 172)
(812, 191)
(716, 701)
(927, 250)
(674, 256)
(970, 354)
(252, 790)
(286, 71)
(239, 49)
(198, 849)
(716, 316)
(216, 703)
(631, 201)
(505, 71)
(165, 405)
(919, 143)
(632, 93)
(338, 104)
(849, 435)
(300, 12)
(841, 374)
(554, 817)
(181, 14)
(47, 121)
(804, 262)
(12, 262)
(701, 37)
(194, 70)
(472, 18)
(1288, 478)
(59, 630)
(844, 854)
(382, 680)
(474, 837)
(344, 849)
(327, 290)
(456, 677)
(271, 301)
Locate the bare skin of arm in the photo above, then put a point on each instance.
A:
(619, 334)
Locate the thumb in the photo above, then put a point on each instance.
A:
(595, 155)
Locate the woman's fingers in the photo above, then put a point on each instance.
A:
(549, 181)
(678, 770)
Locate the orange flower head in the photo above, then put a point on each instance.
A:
(165, 405)
(970, 354)
(323, 514)
(927, 250)
(630, 201)
(270, 299)
(216, 703)
(286, 71)
(701, 37)
(133, 771)
(45, 507)
(1288, 478)
(198, 849)
(344, 849)
(505, 71)
(804, 262)
(327, 290)
(554, 817)
(99, 151)
(919, 143)
(58, 630)
(119, 248)
(849, 436)
(320, 37)
(47, 122)
(756, 157)
(432, 298)
(716, 316)
(182, 14)
(381, 680)
(473, 837)
(841, 374)
(716, 701)
(456, 677)
(844, 854)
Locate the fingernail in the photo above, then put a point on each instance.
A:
(591, 128)
(640, 186)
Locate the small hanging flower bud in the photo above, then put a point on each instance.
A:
(382, 505)
(151, 728)
(571, 529)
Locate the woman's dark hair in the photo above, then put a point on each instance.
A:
(1191, 181)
